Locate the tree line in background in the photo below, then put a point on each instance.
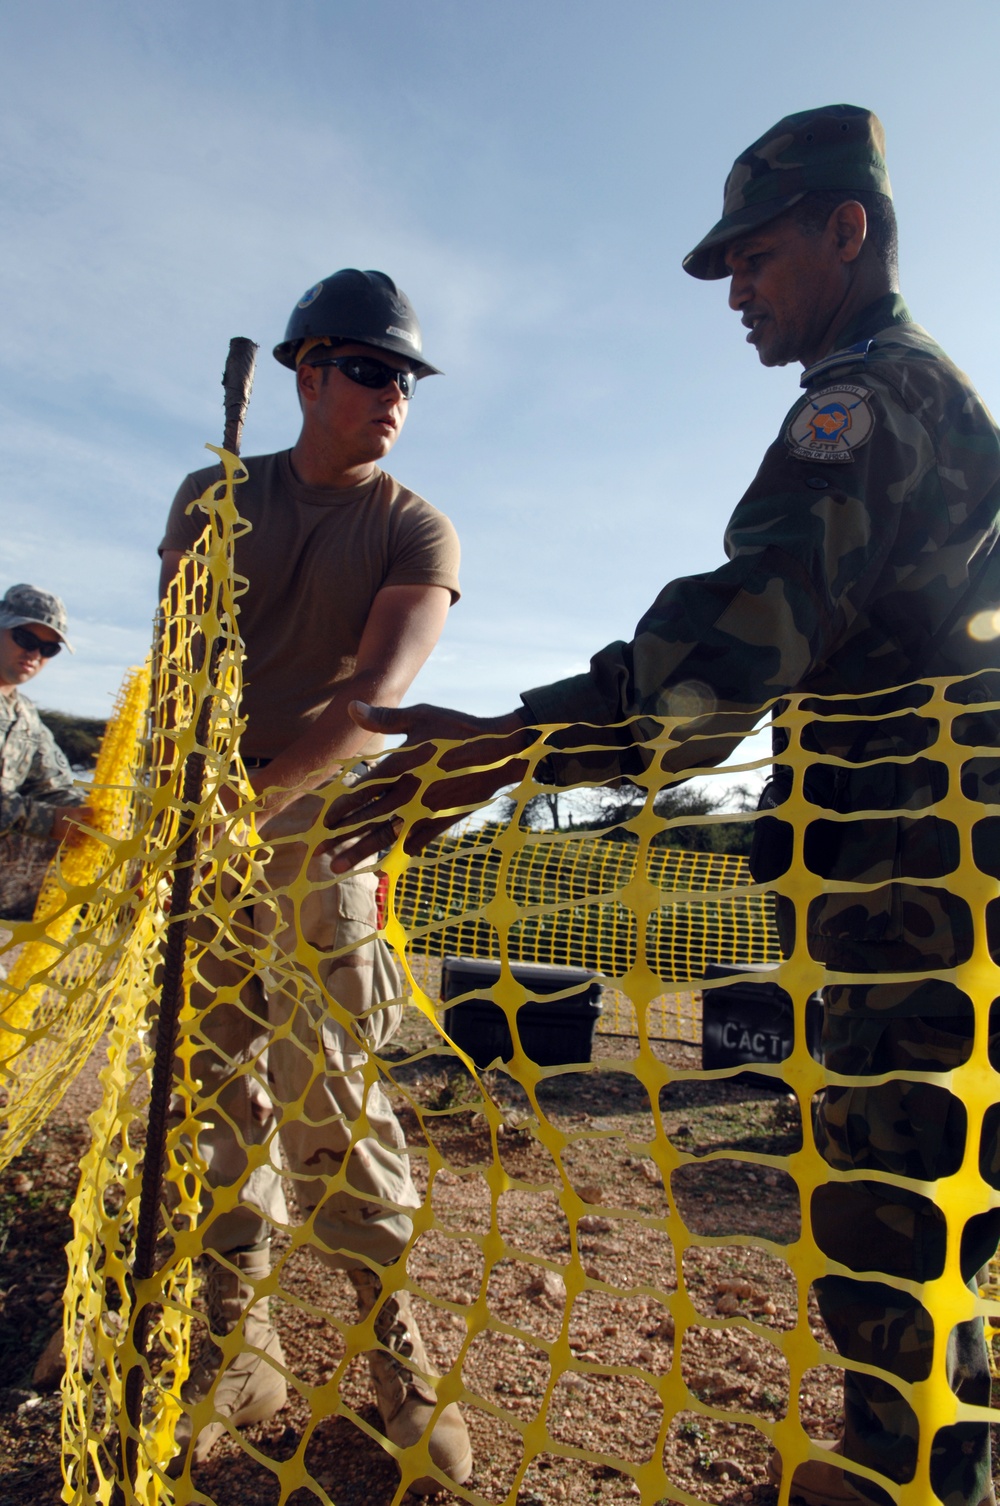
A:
(607, 811)
(79, 737)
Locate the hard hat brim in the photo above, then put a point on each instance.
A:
(285, 352)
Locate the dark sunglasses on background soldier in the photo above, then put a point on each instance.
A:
(26, 639)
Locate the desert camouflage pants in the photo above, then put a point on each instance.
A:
(915, 1130)
(293, 996)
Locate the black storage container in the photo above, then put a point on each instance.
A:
(751, 1022)
(553, 1035)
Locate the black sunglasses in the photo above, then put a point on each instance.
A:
(25, 638)
(368, 372)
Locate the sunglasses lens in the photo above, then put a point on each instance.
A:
(368, 372)
(24, 638)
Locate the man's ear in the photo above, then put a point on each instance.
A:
(308, 381)
(848, 224)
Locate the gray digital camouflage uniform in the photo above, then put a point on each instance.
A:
(34, 774)
(856, 559)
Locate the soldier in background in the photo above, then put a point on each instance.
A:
(37, 795)
(862, 558)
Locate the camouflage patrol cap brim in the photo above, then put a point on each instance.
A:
(838, 147)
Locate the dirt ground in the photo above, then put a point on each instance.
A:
(621, 1320)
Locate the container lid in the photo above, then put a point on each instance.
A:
(463, 973)
(539, 977)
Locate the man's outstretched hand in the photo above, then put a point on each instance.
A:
(366, 819)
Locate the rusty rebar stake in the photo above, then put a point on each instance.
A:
(237, 380)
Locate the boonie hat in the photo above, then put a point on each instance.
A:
(25, 604)
(840, 147)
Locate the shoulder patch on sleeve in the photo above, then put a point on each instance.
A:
(830, 425)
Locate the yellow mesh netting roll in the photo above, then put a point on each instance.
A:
(54, 1007)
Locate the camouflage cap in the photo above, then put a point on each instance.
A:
(834, 147)
(25, 604)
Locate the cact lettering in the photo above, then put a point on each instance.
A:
(762, 1045)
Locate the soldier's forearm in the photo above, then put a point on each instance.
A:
(318, 754)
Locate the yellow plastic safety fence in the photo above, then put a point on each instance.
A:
(53, 1004)
(906, 957)
(457, 879)
(441, 902)
(635, 1275)
(196, 664)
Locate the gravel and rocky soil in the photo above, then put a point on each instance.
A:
(621, 1320)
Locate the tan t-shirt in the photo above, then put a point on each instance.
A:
(315, 560)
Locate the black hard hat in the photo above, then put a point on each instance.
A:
(366, 307)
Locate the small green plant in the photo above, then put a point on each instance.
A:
(453, 1092)
(784, 1116)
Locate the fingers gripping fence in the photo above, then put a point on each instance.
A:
(634, 1276)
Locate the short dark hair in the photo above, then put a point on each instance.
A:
(812, 215)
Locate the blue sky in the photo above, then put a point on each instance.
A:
(531, 174)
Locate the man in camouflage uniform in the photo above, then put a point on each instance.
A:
(857, 559)
(37, 798)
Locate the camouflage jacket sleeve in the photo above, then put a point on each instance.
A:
(810, 545)
(34, 774)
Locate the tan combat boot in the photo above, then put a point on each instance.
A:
(251, 1388)
(406, 1401)
(817, 1483)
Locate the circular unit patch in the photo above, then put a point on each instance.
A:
(310, 296)
(831, 425)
